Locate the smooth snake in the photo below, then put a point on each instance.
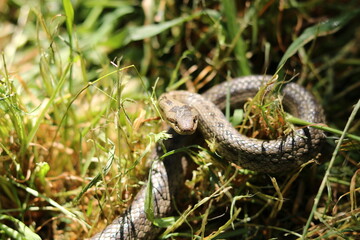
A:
(266, 156)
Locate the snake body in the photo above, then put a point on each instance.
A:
(267, 156)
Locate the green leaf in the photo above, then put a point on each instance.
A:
(69, 12)
(21, 232)
(322, 29)
(61, 208)
(41, 170)
(147, 31)
(106, 31)
(149, 198)
(234, 32)
(237, 118)
(104, 172)
(165, 221)
(43, 110)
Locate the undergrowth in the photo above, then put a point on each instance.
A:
(264, 114)
(78, 89)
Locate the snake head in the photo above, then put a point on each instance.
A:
(181, 117)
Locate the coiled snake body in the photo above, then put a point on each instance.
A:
(267, 156)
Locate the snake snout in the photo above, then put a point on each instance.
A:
(187, 125)
(181, 117)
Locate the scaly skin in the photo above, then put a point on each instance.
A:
(267, 156)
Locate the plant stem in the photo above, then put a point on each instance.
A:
(327, 173)
(295, 120)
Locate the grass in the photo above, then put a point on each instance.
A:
(78, 91)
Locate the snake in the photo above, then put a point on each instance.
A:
(190, 114)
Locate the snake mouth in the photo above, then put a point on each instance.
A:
(184, 131)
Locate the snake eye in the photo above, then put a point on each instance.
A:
(172, 121)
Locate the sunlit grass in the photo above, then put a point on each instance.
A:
(78, 114)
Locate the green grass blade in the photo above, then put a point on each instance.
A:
(40, 118)
(229, 11)
(22, 232)
(11, 101)
(295, 120)
(147, 31)
(327, 173)
(61, 208)
(149, 198)
(322, 29)
(104, 172)
(69, 12)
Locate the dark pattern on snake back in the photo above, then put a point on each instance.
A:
(267, 156)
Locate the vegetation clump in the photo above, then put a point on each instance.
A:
(78, 83)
